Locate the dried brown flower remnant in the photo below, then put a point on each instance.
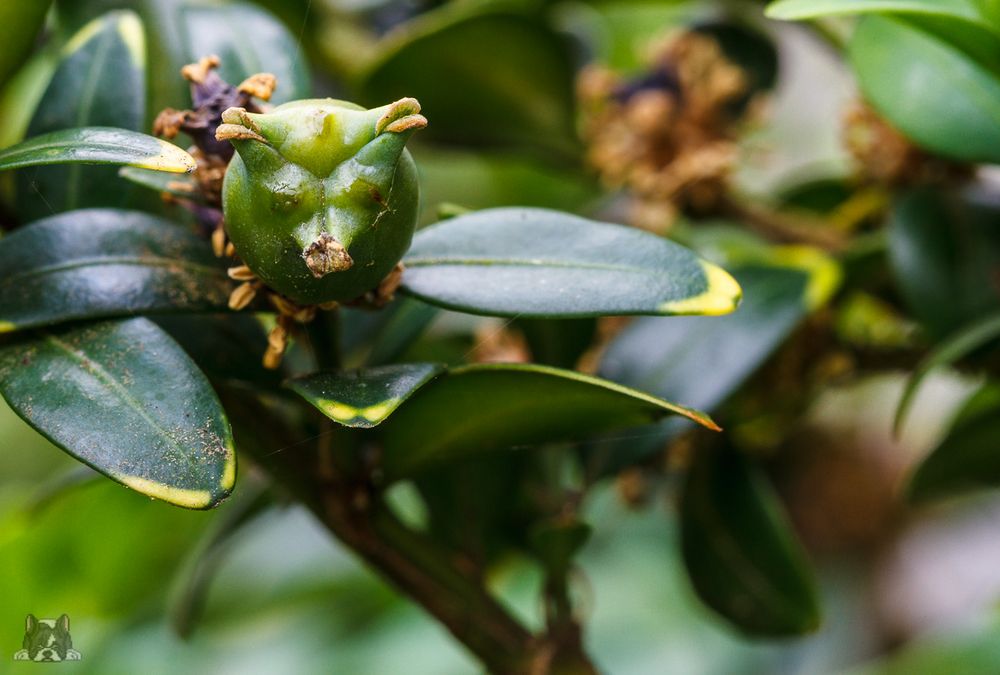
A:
(210, 97)
(667, 138)
(260, 85)
(887, 157)
(384, 293)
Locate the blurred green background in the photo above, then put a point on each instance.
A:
(288, 599)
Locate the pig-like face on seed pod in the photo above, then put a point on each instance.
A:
(321, 197)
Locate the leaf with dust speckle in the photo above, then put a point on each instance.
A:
(124, 398)
(100, 263)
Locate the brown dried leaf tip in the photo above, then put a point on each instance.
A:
(667, 137)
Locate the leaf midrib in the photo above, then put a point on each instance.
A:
(101, 373)
(743, 566)
(136, 261)
(23, 157)
(528, 262)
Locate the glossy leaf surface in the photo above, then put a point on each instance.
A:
(105, 262)
(937, 93)
(122, 397)
(966, 10)
(536, 262)
(97, 145)
(100, 82)
(944, 249)
(364, 398)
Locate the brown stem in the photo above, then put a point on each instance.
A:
(357, 516)
(330, 481)
(785, 227)
(408, 561)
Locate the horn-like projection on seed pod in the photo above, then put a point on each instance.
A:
(321, 198)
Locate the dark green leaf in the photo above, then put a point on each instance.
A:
(489, 407)
(100, 82)
(364, 398)
(817, 195)
(944, 249)
(105, 262)
(535, 262)
(959, 345)
(20, 23)
(97, 145)
(934, 92)
(701, 361)
(969, 456)
(512, 85)
(122, 397)
(248, 40)
(740, 553)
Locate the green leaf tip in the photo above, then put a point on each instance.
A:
(667, 407)
(532, 262)
(170, 158)
(98, 145)
(363, 399)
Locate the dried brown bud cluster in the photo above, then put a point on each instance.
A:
(668, 138)
(211, 96)
(886, 157)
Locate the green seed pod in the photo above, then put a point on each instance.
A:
(321, 197)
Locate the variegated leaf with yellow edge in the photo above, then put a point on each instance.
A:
(542, 263)
(124, 398)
